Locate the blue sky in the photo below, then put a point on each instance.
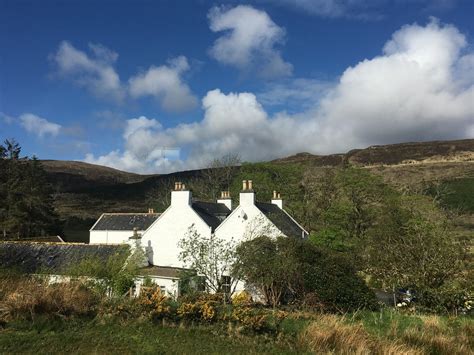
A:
(157, 86)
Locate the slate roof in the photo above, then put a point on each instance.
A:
(43, 239)
(280, 219)
(57, 258)
(212, 213)
(162, 271)
(125, 221)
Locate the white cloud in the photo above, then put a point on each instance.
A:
(39, 126)
(300, 93)
(419, 88)
(166, 85)
(96, 73)
(362, 9)
(249, 42)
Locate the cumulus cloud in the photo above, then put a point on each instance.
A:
(39, 126)
(250, 41)
(94, 72)
(166, 85)
(420, 87)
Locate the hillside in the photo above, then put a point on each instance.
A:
(83, 191)
(69, 176)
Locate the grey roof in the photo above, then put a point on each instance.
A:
(43, 239)
(125, 221)
(57, 258)
(280, 219)
(212, 213)
(162, 271)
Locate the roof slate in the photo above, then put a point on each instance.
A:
(212, 213)
(280, 219)
(162, 271)
(57, 258)
(125, 221)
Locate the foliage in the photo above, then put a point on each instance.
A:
(262, 263)
(114, 275)
(412, 247)
(217, 176)
(153, 299)
(268, 177)
(209, 257)
(32, 297)
(460, 196)
(284, 268)
(27, 209)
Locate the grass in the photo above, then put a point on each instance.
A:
(461, 194)
(138, 337)
(364, 332)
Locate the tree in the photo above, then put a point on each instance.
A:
(27, 209)
(283, 269)
(413, 246)
(218, 175)
(343, 205)
(261, 265)
(211, 258)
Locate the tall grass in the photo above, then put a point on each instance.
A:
(403, 335)
(30, 297)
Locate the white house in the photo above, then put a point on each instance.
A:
(160, 233)
(252, 218)
(117, 228)
(162, 237)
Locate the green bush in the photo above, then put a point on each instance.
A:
(289, 269)
(332, 278)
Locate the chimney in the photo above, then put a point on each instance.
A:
(225, 199)
(151, 210)
(276, 200)
(180, 196)
(247, 195)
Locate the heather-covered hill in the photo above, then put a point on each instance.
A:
(83, 191)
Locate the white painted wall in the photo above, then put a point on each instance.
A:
(246, 222)
(161, 239)
(169, 285)
(110, 237)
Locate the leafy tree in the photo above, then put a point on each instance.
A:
(413, 246)
(283, 267)
(209, 257)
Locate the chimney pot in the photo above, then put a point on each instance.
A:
(244, 185)
(183, 187)
(250, 184)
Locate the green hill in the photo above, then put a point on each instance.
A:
(84, 191)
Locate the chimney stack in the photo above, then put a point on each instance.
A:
(276, 200)
(180, 196)
(225, 199)
(247, 195)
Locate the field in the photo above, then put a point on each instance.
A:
(359, 333)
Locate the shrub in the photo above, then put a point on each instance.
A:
(287, 269)
(155, 301)
(242, 298)
(33, 297)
